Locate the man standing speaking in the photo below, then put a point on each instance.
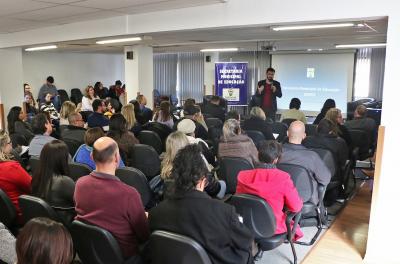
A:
(266, 93)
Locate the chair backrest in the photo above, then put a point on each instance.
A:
(171, 248)
(77, 170)
(301, 178)
(146, 159)
(362, 140)
(214, 122)
(63, 95)
(18, 139)
(288, 121)
(281, 129)
(256, 136)
(95, 245)
(76, 95)
(257, 214)
(328, 158)
(311, 130)
(162, 130)
(135, 178)
(34, 163)
(72, 145)
(8, 214)
(32, 207)
(229, 170)
(151, 138)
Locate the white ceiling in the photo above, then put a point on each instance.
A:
(21, 15)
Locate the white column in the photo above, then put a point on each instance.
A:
(209, 71)
(383, 235)
(11, 78)
(139, 73)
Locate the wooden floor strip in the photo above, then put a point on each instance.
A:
(345, 242)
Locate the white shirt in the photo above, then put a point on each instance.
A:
(87, 104)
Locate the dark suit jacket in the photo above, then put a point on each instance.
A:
(212, 223)
(254, 123)
(278, 93)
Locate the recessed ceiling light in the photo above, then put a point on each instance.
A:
(223, 49)
(370, 45)
(110, 41)
(337, 25)
(315, 49)
(41, 48)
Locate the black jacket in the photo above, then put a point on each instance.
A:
(74, 133)
(259, 96)
(254, 123)
(212, 223)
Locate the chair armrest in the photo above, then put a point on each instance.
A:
(57, 208)
(289, 217)
(321, 193)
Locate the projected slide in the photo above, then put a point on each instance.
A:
(313, 78)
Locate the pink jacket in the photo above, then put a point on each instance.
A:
(275, 187)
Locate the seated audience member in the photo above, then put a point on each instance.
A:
(100, 90)
(14, 180)
(235, 144)
(83, 153)
(116, 90)
(50, 182)
(294, 112)
(214, 109)
(188, 102)
(7, 246)
(193, 112)
(48, 107)
(271, 184)
(30, 104)
(128, 112)
(88, 98)
(362, 122)
(326, 138)
(176, 141)
(146, 112)
(16, 123)
(295, 153)
(127, 221)
(335, 115)
(67, 108)
(329, 103)
(97, 118)
(112, 107)
(188, 127)
(42, 129)
(125, 138)
(43, 240)
(163, 115)
(47, 88)
(213, 224)
(257, 121)
(75, 131)
(138, 112)
(233, 114)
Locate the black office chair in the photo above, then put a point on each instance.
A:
(361, 140)
(256, 136)
(33, 207)
(95, 245)
(72, 145)
(215, 133)
(135, 178)
(214, 122)
(151, 138)
(302, 179)
(311, 130)
(77, 170)
(8, 213)
(76, 95)
(171, 248)
(162, 130)
(229, 168)
(288, 121)
(259, 217)
(281, 129)
(63, 95)
(146, 159)
(34, 163)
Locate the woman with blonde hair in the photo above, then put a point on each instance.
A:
(175, 142)
(67, 108)
(335, 115)
(14, 180)
(128, 112)
(257, 121)
(87, 100)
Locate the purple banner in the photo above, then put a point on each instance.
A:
(231, 82)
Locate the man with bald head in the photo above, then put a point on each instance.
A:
(295, 153)
(101, 199)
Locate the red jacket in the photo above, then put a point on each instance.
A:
(275, 187)
(14, 181)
